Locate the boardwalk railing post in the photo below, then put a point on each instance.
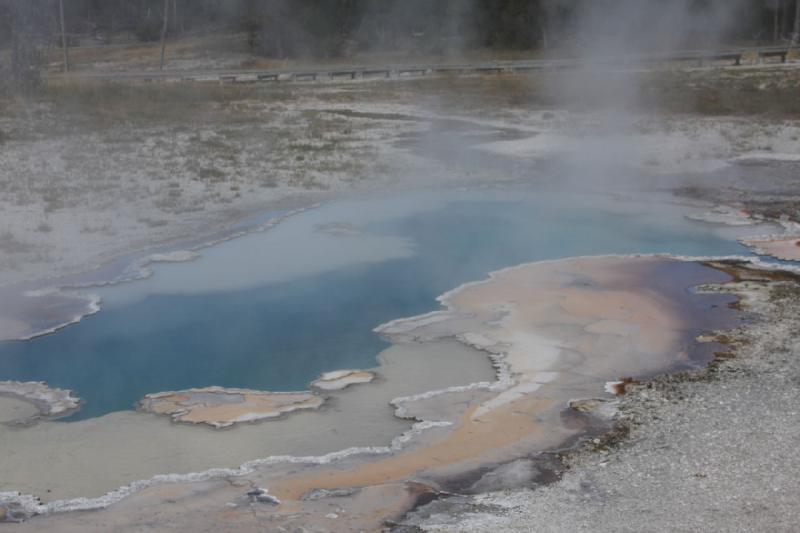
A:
(685, 59)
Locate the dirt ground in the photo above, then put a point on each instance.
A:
(91, 171)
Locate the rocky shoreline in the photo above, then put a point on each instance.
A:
(708, 449)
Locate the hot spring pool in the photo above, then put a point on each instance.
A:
(271, 311)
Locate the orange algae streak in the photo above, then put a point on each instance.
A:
(471, 439)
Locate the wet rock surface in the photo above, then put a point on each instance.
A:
(260, 495)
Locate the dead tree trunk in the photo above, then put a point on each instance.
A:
(26, 33)
(164, 33)
(544, 31)
(64, 44)
(796, 32)
(784, 18)
(776, 21)
(177, 22)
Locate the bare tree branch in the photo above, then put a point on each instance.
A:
(64, 44)
(164, 33)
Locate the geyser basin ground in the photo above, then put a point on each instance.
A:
(272, 311)
(557, 329)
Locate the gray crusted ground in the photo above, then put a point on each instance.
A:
(712, 451)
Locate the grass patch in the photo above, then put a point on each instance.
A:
(210, 174)
(44, 227)
(9, 244)
(157, 102)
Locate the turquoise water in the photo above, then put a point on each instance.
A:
(273, 310)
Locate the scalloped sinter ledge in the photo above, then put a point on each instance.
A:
(783, 248)
(341, 379)
(50, 402)
(219, 407)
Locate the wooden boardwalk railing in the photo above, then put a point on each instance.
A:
(696, 58)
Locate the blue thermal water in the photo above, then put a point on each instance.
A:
(271, 311)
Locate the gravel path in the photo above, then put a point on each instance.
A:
(715, 450)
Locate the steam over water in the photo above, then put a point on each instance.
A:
(273, 310)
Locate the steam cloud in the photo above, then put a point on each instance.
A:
(614, 38)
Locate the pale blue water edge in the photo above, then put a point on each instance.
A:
(273, 310)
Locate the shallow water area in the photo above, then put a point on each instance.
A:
(57, 460)
(560, 330)
(13, 409)
(272, 311)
